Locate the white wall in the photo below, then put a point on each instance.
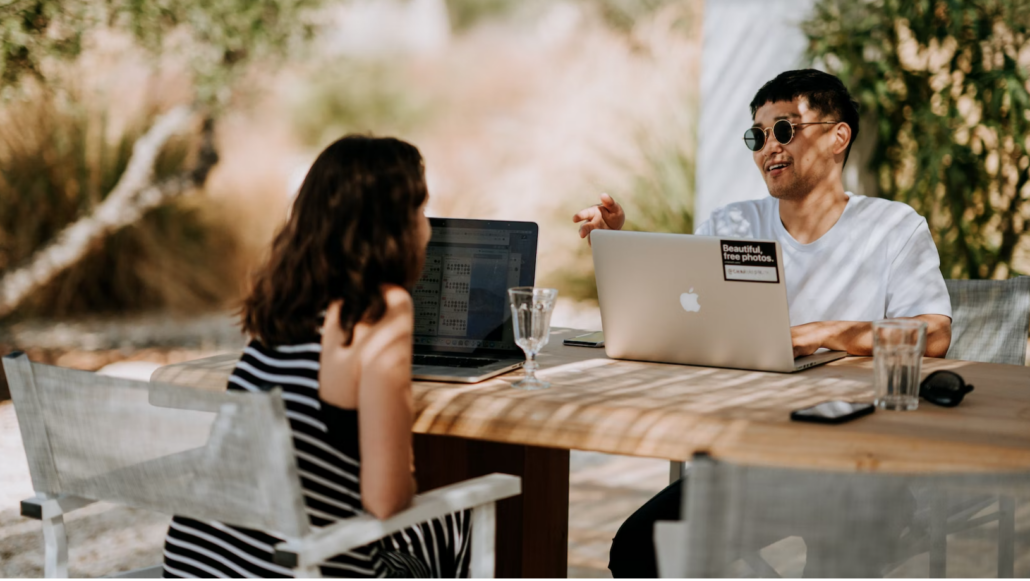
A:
(746, 43)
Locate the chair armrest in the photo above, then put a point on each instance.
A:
(670, 540)
(359, 531)
(45, 507)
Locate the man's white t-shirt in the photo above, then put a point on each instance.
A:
(878, 261)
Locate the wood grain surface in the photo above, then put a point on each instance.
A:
(672, 411)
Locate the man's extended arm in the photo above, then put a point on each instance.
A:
(857, 337)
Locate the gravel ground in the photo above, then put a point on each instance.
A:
(204, 333)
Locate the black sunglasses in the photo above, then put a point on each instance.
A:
(944, 388)
(782, 130)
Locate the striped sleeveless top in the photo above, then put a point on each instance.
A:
(325, 440)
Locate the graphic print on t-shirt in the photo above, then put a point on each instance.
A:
(749, 261)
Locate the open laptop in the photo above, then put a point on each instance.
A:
(696, 300)
(463, 331)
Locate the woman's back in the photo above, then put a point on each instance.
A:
(333, 324)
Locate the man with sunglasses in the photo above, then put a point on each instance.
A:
(848, 260)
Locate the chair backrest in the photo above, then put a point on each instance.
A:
(853, 524)
(990, 320)
(225, 456)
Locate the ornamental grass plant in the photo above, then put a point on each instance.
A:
(59, 159)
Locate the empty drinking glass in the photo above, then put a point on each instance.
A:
(898, 347)
(531, 309)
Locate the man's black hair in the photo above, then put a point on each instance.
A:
(823, 91)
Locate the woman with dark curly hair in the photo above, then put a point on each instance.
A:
(331, 323)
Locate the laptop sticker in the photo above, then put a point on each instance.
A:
(749, 261)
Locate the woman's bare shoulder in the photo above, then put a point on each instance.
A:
(398, 300)
(397, 319)
(387, 343)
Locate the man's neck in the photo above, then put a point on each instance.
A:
(807, 218)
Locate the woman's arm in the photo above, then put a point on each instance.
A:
(385, 408)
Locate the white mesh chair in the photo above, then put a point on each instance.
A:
(990, 324)
(990, 320)
(852, 524)
(200, 454)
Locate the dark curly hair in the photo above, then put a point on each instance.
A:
(351, 229)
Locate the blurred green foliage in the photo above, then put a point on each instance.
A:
(661, 192)
(620, 15)
(57, 161)
(623, 15)
(659, 197)
(218, 37)
(355, 97)
(28, 34)
(576, 282)
(947, 83)
(215, 37)
(465, 14)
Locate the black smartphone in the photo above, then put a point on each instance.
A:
(833, 412)
(589, 340)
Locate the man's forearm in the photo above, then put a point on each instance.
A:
(938, 334)
(856, 337)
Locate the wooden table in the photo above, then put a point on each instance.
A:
(672, 412)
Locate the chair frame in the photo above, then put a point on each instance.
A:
(302, 553)
(706, 497)
(945, 520)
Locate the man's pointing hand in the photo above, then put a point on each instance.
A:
(607, 215)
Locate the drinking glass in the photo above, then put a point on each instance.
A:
(531, 309)
(898, 347)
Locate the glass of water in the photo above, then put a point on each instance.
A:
(531, 309)
(898, 347)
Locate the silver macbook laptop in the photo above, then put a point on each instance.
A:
(463, 331)
(696, 300)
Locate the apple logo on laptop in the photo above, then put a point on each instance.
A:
(689, 301)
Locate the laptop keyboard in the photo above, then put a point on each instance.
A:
(448, 361)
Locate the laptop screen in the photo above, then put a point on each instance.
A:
(461, 300)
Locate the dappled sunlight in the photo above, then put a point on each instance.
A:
(671, 411)
(704, 390)
(617, 405)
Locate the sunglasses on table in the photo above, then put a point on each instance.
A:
(944, 388)
(782, 130)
